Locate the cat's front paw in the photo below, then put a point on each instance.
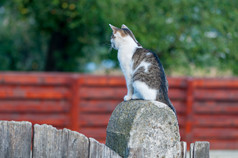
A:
(127, 98)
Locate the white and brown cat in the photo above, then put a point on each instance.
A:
(144, 74)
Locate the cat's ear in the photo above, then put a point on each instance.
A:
(114, 28)
(123, 26)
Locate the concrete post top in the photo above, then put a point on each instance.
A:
(136, 124)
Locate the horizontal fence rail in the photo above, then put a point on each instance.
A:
(207, 108)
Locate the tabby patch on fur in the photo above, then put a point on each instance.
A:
(144, 74)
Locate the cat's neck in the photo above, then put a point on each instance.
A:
(125, 53)
(128, 49)
(127, 44)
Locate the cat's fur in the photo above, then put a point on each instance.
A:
(144, 74)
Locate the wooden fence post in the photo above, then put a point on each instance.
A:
(50, 142)
(98, 150)
(75, 98)
(191, 150)
(183, 149)
(189, 111)
(15, 139)
(199, 149)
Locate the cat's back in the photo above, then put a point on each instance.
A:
(149, 74)
(147, 68)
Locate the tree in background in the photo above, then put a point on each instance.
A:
(64, 35)
(66, 28)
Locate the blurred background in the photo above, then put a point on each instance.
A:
(54, 43)
(195, 38)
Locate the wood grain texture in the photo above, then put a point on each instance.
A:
(16, 78)
(15, 139)
(34, 106)
(98, 150)
(54, 119)
(201, 149)
(183, 149)
(53, 143)
(191, 150)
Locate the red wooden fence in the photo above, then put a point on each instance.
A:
(207, 108)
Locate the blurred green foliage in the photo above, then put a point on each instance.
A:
(64, 35)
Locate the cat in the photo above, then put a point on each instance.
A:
(144, 74)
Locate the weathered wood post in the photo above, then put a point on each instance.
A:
(48, 142)
(15, 139)
(144, 126)
(199, 149)
(98, 150)
(53, 143)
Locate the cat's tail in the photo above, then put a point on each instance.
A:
(171, 106)
(168, 102)
(165, 98)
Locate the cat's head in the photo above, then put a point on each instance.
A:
(122, 37)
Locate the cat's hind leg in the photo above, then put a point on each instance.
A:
(143, 91)
(135, 96)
